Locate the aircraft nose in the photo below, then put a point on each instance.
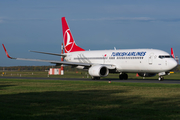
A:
(173, 63)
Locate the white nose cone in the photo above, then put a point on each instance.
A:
(172, 63)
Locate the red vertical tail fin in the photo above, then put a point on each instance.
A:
(69, 43)
(172, 53)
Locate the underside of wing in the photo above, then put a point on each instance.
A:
(56, 62)
(49, 53)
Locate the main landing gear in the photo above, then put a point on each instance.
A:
(95, 78)
(123, 76)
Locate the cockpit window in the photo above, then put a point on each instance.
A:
(165, 56)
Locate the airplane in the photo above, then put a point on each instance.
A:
(99, 63)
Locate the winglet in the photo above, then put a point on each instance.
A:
(172, 53)
(6, 52)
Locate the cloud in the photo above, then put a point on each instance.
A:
(119, 19)
(138, 19)
(170, 20)
(1, 20)
(4, 19)
(126, 19)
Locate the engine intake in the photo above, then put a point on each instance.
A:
(98, 71)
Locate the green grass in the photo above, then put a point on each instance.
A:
(79, 74)
(79, 100)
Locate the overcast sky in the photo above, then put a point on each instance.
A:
(95, 24)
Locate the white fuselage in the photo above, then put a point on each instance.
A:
(127, 60)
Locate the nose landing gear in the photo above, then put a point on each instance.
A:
(161, 78)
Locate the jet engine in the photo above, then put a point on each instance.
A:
(146, 74)
(98, 71)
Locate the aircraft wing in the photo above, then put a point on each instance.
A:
(49, 53)
(109, 66)
(50, 61)
(55, 62)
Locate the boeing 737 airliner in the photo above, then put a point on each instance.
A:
(99, 63)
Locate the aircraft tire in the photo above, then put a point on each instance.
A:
(95, 78)
(123, 76)
(161, 78)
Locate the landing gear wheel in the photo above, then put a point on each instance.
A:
(161, 78)
(123, 76)
(95, 78)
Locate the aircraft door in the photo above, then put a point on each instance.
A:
(150, 60)
(105, 59)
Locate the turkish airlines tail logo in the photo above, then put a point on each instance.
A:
(69, 43)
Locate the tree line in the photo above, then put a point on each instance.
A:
(35, 68)
(43, 68)
(23, 68)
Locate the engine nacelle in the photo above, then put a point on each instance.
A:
(98, 71)
(146, 74)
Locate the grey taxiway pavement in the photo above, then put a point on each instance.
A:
(167, 81)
